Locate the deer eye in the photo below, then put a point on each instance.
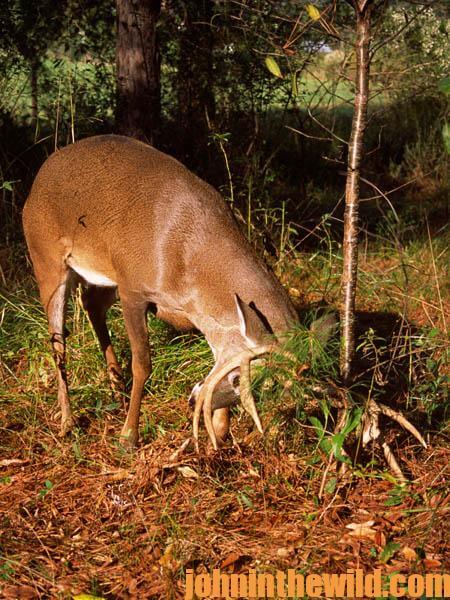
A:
(235, 381)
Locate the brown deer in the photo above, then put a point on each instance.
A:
(120, 216)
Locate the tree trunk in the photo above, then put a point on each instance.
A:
(196, 105)
(351, 216)
(138, 69)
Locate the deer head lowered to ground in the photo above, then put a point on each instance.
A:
(118, 215)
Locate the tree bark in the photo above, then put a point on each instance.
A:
(351, 216)
(138, 105)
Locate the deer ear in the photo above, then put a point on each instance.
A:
(252, 327)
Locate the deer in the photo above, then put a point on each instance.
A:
(123, 219)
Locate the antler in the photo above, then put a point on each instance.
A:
(204, 400)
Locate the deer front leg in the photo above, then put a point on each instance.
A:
(225, 395)
(136, 324)
(221, 424)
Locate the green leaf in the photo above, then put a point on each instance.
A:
(7, 185)
(444, 85)
(331, 485)
(337, 441)
(325, 409)
(397, 495)
(388, 551)
(48, 486)
(317, 424)
(273, 67)
(388, 477)
(393, 501)
(246, 500)
(353, 421)
(313, 12)
(325, 444)
(446, 136)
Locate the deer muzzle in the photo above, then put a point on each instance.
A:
(205, 403)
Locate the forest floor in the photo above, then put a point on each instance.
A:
(80, 515)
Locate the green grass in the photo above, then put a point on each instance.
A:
(387, 282)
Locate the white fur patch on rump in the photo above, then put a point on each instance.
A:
(93, 277)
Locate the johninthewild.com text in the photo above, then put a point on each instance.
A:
(354, 583)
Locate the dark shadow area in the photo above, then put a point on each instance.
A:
(393, 359)
(285, 176)
(397, 363)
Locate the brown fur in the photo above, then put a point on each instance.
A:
(162, 237)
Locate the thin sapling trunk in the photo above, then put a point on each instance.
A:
(351, 217)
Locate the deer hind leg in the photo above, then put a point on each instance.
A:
(97, 301)
(135, 316)
(54, 286)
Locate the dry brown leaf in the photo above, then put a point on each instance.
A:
(408, 553)
(121, 474)
(188, 472)
(380, 539)
(358, 525)
(364, 532)
(167, 560)
(362, 529)
(431, 563)
(132, 586)
(7, 462)
(230, 559)
(18, 591)
(286, 552)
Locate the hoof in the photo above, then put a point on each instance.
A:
(117, 386)
(129, 439)
(67, 426)
(116, 380)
